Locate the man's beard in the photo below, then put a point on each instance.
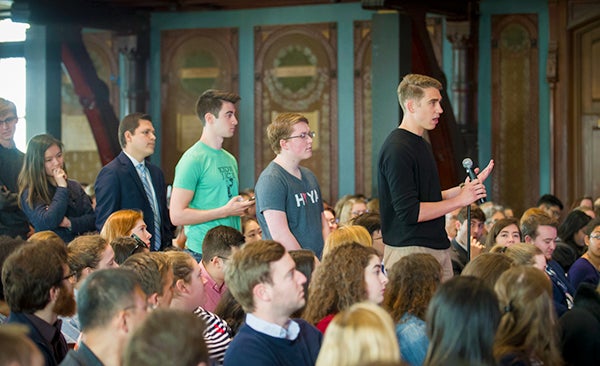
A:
(65, 303)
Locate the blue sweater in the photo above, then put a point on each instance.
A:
(250, 347)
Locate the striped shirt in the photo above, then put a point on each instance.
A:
(217, 335)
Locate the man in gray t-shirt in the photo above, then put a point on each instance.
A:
(289, 207)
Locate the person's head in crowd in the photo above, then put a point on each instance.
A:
(413, 281)
(586, 210)
(349, 274)
(373, 205)
(251, 229)
(591, 239)
(492, 213)
(504, 232)
(209, 104)
(88, 253)
(551, 205)
(339, 203)
(488, 267)
(263, 278)
(16, 349)
(331, 218)
(360, 334)
(168, 337)
(126, 246)
(188, 289)
(155, 275)
(126, 223)
(345, 235)
(540, 229)
(37, 172)
(230, 310)
(306, 262)
(137, 136)
(372, 222)
(9, 117)
(46, 236)
(7, 246)
(461, 331)
(523, 254)
(508, 212)
(585, 201)
(528, 328)
(477, 224)
(219, 244)
(451, 223)
(571, 231)
(351, 208)
(248, 194)
(110, 305)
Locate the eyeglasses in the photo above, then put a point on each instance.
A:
(303, 135)
(9, 120)
(138, 243)
(359, 212)
(69, 276)
(595, 236)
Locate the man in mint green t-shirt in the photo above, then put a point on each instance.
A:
(206, 185)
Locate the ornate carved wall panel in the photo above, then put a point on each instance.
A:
(363, 117)
(296, 71)
(515, 116)
(81, 152)
(193, 60)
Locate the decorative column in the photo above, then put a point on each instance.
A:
(133, 58)
(458, 34)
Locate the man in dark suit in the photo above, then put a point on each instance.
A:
(131, 182)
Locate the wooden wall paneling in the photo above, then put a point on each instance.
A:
(296, 71)
(363, 117)
(515, 116)
(193, 60)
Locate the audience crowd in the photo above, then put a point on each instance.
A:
(278, 276)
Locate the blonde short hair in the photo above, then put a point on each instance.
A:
(412, 85)
(346, 235)
(282, 127)
(359, 335)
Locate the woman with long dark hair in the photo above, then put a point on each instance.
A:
(48, 198)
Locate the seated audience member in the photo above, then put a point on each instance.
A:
(527, 334)
(188, 295)
(251, 229)
(373, 205)
(488, 267)
(351, 208)
(372, 222)
(16, 349)
(585, 201)
(340, 203)
(493, 213)
(7, 246)
(346, 235)
(331, 218)
(306, 262)
(508, 212)
(580, 328)
(46, 236)
(155, 275)
(230, 310)
(126, 223)
(50, 200)
(504, 232)
(126, 246)
(86, 254)
(110, 305)
(219, 244)
(451, 220)
(551, 205)
(572, 239)
(167, 337)
(585, 269)
(360, 334)
(38, 289)
(349, 274)
(523, 254)
(459, 244)
(461, 331)
(413, 281)
(262, 276)
(540, 230)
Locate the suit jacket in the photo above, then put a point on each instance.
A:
(118, 186)
(459, 257)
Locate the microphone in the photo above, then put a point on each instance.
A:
(467, 163)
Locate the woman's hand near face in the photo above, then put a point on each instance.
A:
(60, 177)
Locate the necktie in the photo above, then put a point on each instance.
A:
(144, 174)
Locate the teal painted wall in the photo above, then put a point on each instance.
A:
(343, 14)
(487, 9)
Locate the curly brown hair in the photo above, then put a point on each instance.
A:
(338, 282)
(413, 281)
